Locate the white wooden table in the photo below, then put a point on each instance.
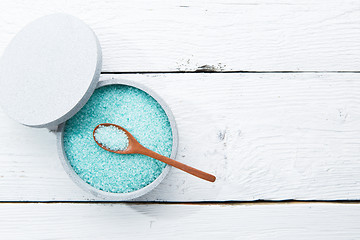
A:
(266, 95)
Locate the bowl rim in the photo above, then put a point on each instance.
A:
(120, 196)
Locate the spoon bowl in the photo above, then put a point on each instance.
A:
(133, 143)
(134, 147)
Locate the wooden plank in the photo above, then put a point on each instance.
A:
(93, 221)
(265, 136)
(256, 35)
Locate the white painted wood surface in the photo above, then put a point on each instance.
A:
(89, 221)
(265, 136)
(252, 35)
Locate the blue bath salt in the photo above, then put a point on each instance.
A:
(111, 138)
(137, 112)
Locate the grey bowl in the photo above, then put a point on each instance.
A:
(120, 196)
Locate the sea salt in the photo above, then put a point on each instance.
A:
(112, 138)
(137, 112)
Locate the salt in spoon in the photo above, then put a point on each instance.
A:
(134, 147)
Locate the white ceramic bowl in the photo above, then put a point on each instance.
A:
(120, 196)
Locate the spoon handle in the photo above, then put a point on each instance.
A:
(193, 171)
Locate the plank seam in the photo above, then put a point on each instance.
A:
(205, 71)
(257, 202)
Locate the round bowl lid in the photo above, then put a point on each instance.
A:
(49, 70)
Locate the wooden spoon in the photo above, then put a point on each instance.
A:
(135, 147)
